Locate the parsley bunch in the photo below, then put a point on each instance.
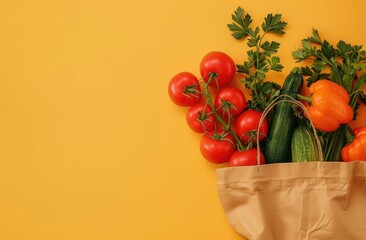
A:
(344, 64)
(261, 56)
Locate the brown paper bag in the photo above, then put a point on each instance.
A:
(291, 201)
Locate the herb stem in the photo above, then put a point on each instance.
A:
(361, 81)
(334, 69)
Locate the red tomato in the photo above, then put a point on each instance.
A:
(184, 89)
(220, 64)
(247, 126)
(217, 147)
(200, 118)
(245, 158)
(230, 100)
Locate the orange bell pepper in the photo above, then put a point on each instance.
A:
(356, 150)
(328, 105)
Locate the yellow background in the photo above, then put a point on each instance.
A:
(90, 145)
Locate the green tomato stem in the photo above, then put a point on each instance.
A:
(226, 125)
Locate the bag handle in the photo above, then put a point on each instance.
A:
(293, 101)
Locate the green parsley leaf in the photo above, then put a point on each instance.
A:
(327, 50)
(315, 38)
(319, 65)
(270, 47)
(254, 37)
(306, 44)
(274, 24)
(343, 48)
(306, 71)
(240, 26)
(299, 55)
(274, 63)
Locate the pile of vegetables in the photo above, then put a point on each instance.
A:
(269, 126)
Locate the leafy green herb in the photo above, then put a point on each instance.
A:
(260, 56)
(273, 24)
(344, 64)
(343, 61)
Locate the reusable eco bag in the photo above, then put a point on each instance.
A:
(293, 201)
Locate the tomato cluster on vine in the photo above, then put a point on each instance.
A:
(219, 112)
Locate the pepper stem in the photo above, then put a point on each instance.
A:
(304, 98)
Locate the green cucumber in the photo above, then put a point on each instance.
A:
(303, 145)
(278, 144)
